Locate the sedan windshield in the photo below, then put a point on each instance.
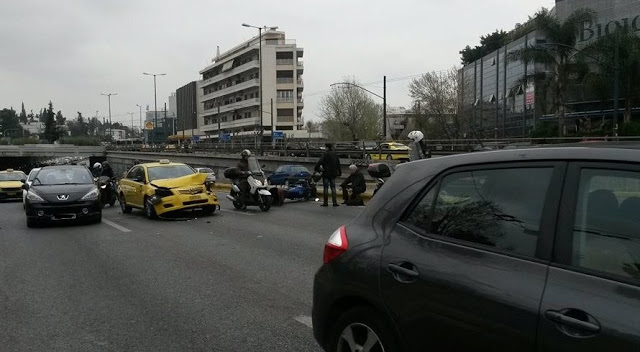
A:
(13, 176)
(169, 171)
(59, 176)
(297, 169)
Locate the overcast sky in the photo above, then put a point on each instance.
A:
(70, 51)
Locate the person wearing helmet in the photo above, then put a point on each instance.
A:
(418, 147)
(355, 182)
(243, 166)
(107, 170)
(96, 170)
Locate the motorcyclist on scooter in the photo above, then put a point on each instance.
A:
(419, 149)
(243, 166)
(107, 170)
(96, 170)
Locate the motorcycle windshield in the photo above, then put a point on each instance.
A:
(254, 165)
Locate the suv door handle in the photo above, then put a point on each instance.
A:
(404, 269)
(571, 322)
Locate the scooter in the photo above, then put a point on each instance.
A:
(380, 172)
(108, 193)
(258, 193)
(300, 188)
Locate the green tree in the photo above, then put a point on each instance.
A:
(9, 123)
(31, 117)
(601, 54)
(93, 126)
(23, 115)
(60, 119)
(312, 126)
(437, 94)
(350, 114)
(51, 129)
(558, 54)
(488, 43)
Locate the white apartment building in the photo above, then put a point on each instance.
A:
(229, 92)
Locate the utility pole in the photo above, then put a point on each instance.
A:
(616, 88)
(273, 128)
(131, 113)
(108, 95)
(164, 124)
(384, 108)
(138, 105)
(155, 100)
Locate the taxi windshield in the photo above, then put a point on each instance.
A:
(12, 176)
(168, 171)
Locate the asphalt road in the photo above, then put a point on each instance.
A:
(233, 281)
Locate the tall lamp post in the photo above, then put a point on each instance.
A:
(155, 101)
(260, 70)
(383, 97)
(108, 95)
(140, 106)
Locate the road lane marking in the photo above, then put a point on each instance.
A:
(304, 320)
(237, 212)
(115, 226)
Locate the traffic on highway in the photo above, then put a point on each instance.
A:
(509, 249)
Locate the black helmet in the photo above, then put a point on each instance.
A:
(105, 164)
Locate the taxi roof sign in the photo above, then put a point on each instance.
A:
(164, 161)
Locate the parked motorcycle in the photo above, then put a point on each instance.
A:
(107, 188)
(380, 172)
(258, 193)
(300, 188)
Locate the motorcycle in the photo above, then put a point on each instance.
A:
(380, 172)
(258, 193)
(300, 188)
(107, 189)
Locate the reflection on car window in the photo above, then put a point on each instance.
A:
(132, 173)
(606, 233)
(168, 171)
(499, 208)
(59, 176)
(299, 169)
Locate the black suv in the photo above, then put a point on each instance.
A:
(520, 250)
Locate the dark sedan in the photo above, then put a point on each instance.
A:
(514, 250)
(62, 194)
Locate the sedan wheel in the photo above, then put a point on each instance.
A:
(123, 205)
(361, 330)
(149, 210)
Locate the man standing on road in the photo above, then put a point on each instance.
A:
(329, 165)
(355, 182)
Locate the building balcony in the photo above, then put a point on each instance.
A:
(233, 106)
(285, 119)
(234, 71)
(284, 62)
(252, 121)
(232, 89)
(285, 100)
(284, 80)
(300, 102)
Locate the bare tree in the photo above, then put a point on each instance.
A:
(350, 114)
(437, 94)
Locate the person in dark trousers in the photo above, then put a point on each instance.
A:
(329, 165)
(243, 165)
(355, 182)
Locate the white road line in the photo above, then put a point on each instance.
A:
(304, 320)
(237, 212)
(115, 226)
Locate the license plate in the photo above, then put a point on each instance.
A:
(194, 197)
(11, 194)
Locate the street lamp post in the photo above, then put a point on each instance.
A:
(108, 95)
(155, 101)
(260, 70)
(138, 105)
(383, 97)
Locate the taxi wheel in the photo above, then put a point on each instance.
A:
(149, 209)
(123, 205)
(209, 209)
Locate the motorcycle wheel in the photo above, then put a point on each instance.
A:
(112, 202)
(265, 203)
(239, 205)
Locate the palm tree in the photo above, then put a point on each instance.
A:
(602, 54)
(558, 54)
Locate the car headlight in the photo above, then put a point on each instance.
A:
(92, 195)
(32, 196)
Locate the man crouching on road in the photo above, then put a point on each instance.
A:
(355, 182)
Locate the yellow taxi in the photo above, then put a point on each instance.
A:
(390, 151)
(163, 187)
(11, 184)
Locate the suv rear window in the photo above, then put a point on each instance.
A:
(499, 208)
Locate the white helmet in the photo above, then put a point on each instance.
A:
(415, 136)
(246, 153)
(97, 166)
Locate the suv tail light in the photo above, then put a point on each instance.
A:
(336, 245)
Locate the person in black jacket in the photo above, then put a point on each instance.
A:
(107, 170)
(355, 182)
(243, 166)
(329, 165)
